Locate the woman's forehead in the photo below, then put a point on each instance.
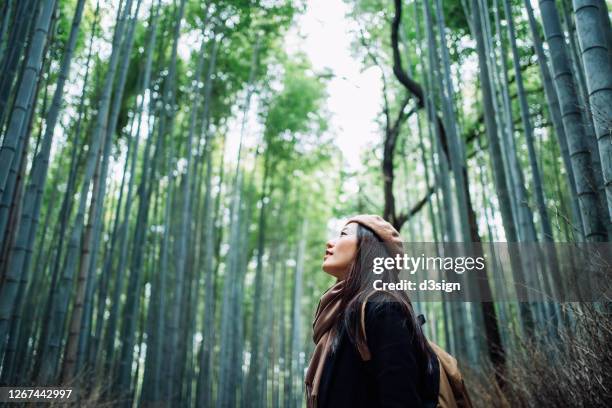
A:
(350, 227)
(336, 228)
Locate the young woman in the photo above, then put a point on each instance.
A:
(370, 350)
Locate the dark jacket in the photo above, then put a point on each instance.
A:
(396, 375)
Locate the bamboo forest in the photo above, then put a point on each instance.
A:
(171, 170)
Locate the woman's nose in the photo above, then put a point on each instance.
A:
(329, 244)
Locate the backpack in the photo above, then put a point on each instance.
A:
(452, 392)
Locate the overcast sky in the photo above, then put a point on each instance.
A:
(354, 96)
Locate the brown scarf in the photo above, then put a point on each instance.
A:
(324, 321)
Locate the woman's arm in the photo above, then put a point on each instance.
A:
(393, 359)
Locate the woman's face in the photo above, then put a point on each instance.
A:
(340, 252)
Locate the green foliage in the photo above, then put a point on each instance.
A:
(296, 110)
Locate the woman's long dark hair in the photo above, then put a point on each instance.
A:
(359, 288)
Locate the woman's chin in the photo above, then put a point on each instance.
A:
(330, 270)
(325, 267)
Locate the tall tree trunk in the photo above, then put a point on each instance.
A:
(18, 120)
(150, 390)
(156, 314)
(457, 154)
(7, 13)
(547, 232)
(25, 13)
(123, 228)
(226, 394)
(9, 201)
(183, 235)
(60, 306)
(74, 326)
(296, 319)
(555, 115)
(573, 123)
(166, 126)
(583, 98)
(266, 334)
(204, 390)
(494, 345)
(524, 215)
(254, 380)
(432, 74)
(526, 231)
(79, 325)
(595, 47)
(499, 175)
(67, 200)
(32, 202)
(527, 127)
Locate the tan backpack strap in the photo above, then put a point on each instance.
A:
(453, 392)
